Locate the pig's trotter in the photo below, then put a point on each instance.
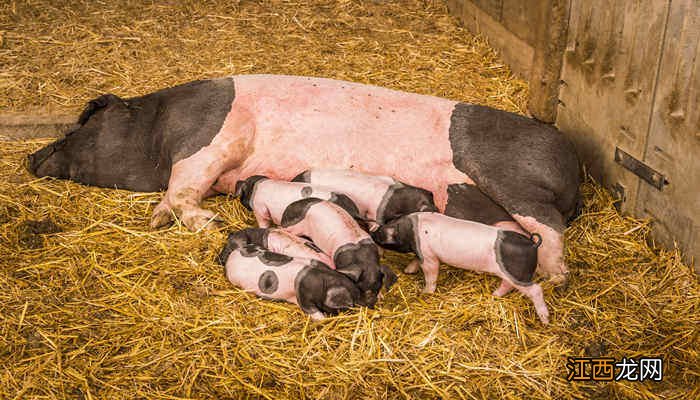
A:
(162, 215)
(534, 292)
(317, 316)
(503, 289)
(430, 271)
(412, 267)
(198, 218)
(194, 218)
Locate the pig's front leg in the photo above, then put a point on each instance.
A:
(191, 178)
(431, 267)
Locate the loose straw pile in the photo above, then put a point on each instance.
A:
(93, 304)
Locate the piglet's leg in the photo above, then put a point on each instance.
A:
(412, 267)
(431, 267)
(504, 289)
(534, 292)
(317, 316)
(191, 178)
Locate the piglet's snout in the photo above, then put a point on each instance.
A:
(369, 299)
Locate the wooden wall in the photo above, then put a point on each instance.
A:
(530, 35)
(621, 79)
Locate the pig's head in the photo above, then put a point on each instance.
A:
(320, 288)
(246, 188)
(240, 239)
(397, 235)
(104, 149)
(406, 199)
(360, 263)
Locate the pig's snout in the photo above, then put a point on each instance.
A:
(37, 158)
(48, 161)
(369, 299)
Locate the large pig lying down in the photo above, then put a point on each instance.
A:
(317, 289)
(276, 241)
(436, 238)
(268, 198)
(336, 233)
(201, 138)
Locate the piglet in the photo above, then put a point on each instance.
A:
(268, 198)
(437, 238)
(379, 199)
(277, 241)
(309, 283)
(337, 234)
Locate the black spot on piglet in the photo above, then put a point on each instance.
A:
(296, 211)
(273, 259)
(306, 191)
(268, 282)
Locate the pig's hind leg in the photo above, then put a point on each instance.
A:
(503, 289)
(412, 267)
(191, 178)
(534, 293)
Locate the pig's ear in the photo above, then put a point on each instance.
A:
(428, 208)
(230, 246)
(338, 298)
(354, 272)
(240, 188)
(390, 234)
(389, 276)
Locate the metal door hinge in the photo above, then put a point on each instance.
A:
(648, 174)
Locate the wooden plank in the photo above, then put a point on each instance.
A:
(491, 7)
(550, 41)
(610, 69)
(524, 17)
(34, 125)
(673, 146)
(514, 51)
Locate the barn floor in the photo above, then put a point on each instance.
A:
(94, 305)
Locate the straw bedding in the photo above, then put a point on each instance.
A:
(93, 304)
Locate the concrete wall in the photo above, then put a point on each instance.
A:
(622, 80)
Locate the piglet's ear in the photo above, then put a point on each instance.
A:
(240, 187)
(354, 272)
(427, 207)
(338, 298)
(231, 245)
(389, 276)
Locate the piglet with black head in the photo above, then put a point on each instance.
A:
(337, 234)
(276, 240)
(268, 198)
(379, 198)
(436, 238)
(311, 284)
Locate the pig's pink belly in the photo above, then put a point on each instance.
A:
(303, 123)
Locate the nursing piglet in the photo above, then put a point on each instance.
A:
(268, 198)
(277, 241)
(437, 238)
(317, 289)
(378, 198)
(337, 234)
